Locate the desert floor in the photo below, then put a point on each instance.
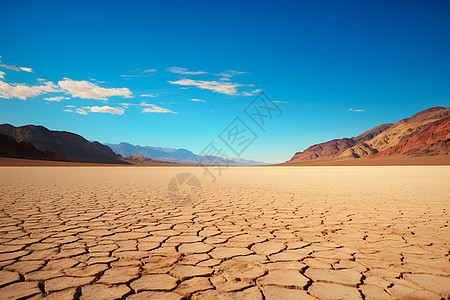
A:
(254, 233)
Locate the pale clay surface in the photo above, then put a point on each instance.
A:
(256, 233)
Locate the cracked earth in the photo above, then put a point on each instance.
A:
(256, 233)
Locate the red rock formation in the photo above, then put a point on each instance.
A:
(424, 134)
(433, 140)
(327, 150)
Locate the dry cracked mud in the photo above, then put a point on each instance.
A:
(255, 233)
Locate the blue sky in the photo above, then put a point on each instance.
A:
(128, 70)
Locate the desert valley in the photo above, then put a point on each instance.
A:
(104, 226)
(224, 150)
(348, 232)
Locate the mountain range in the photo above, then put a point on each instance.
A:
(40, 143)
(425, 134)
(181, 156)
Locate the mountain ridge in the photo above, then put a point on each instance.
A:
(408, 137)
(63, 143)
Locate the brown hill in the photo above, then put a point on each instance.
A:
(327, 150)
(9, 147)
(334, 148)
(425, 133)
(66, 144)
(407, 127)
(433, 140)
(371, 133)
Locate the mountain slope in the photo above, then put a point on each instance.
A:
(433, 140)
(371, 133)
(339, 147)
(327, 150)
(9, 147)
(65, 144)
(406, 127)
(425, 133)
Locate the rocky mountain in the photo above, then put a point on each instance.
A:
(9, 147)
(433, 140)
(335, 148)
(327, 150)
(424, 134)
(65, 144)
(371, 133)
(181, 156)
(405, 128)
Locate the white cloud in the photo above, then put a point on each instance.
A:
(88, 90)
(18, 69)
(197, 100)
(148, 95)
(227, 88)
(356, 110)
(254, 92)
(155, 109)
(26, 69)
(184, 71)
(280, 102)
(127, 104)
(81, 111)
(56, 99)
(73, 106)
(229, 74)
(68, 110)
(106, 109)
(2, 74)
(23, 91)
(146, 73)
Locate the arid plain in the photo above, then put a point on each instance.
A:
(348, 232)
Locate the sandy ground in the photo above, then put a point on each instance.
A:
(254, 233)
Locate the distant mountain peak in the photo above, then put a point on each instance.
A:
(180, 155)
